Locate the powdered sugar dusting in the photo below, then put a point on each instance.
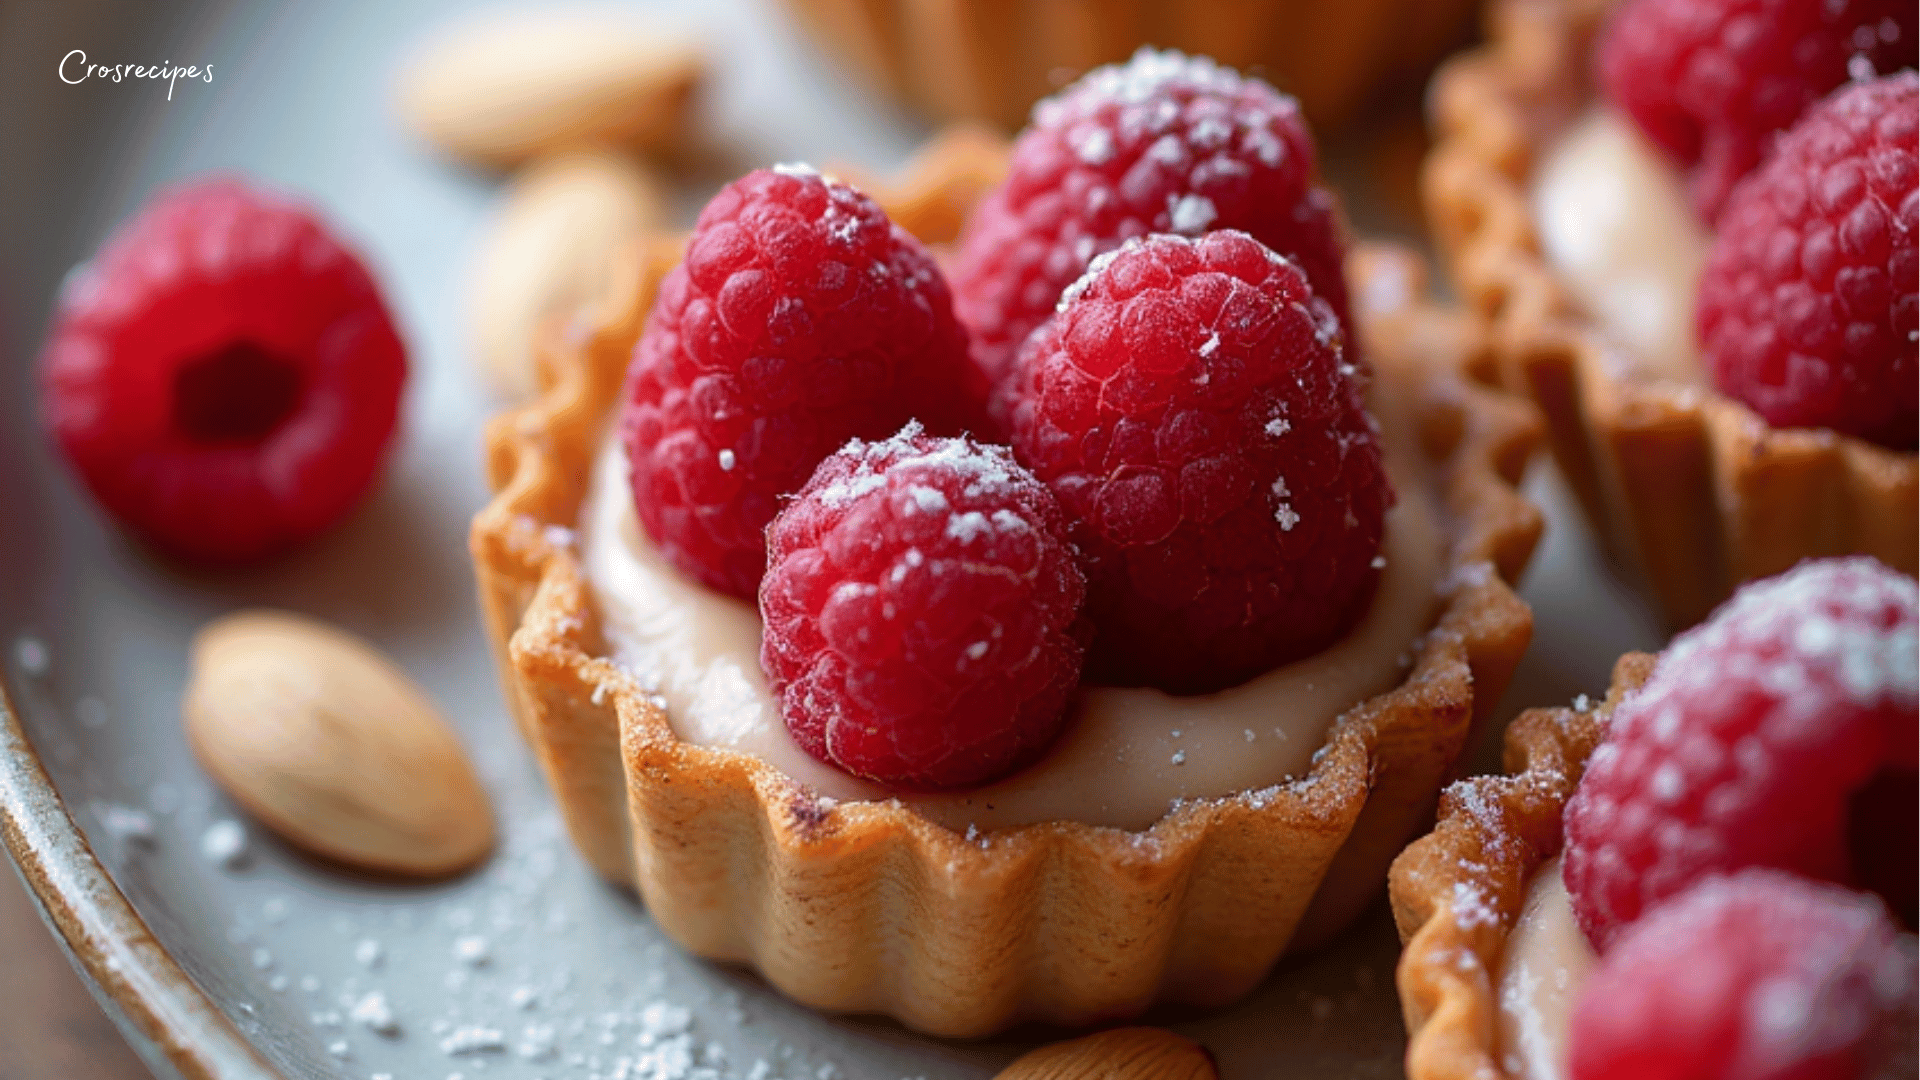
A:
(1092, 144)
(1190, 214)
(968, 526)
(1094, 269)
(1827, 599)
(1143, 76)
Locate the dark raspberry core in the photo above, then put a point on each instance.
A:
(239, 394)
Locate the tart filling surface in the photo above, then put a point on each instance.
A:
(1615, 221)
(1129, 754)
(1541, 971)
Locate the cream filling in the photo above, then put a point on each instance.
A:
(1127, 755)
(1546, 962)
(1614, 220)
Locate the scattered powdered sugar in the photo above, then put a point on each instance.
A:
(473, 1039)
(1189, 215)
(1142, 76)
(843, 491)
(538, 1042)
(31, 654)
(1092, 144)
(1094, 269)
(968, 526)
(125, 823)
(373, 1013)
(472, 950)
(224, 844)
(1872, 665)
(638, 1017)
(1285, 514)
(1470, 906)
(926, 500)
(1278, 426)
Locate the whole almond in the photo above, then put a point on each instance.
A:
(565, 222)
(333, 747)
(1139, 1053)
(503, 89)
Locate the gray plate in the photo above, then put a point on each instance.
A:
(254, 973)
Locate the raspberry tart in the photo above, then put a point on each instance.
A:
(916, 773)
(1727, 368)
(1707, 874)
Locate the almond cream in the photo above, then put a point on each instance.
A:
(1545, 964)
(1127, 755)
(1614, 220)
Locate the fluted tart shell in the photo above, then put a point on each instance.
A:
(869, 907)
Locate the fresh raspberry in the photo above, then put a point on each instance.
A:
(922, 612)
(1190, 407)
(801, 318)
(1757, 976)
(1807, 308)
(1748, 743)
(1163, 143)
(223, 374)
(1713, 81)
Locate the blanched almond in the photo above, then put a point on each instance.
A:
(565, 222)
(1139, 1053)
(332, 746)
(506, 88)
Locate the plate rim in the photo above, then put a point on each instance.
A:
(105, 938)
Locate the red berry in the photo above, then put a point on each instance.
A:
(1807, 308)
(1746, 747)
(1163, 143)
(1713, 81)
(921, 607)
(801, 318)
(1190, 407)
(1757, 976)
(223, 374)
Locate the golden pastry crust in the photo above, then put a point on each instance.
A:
(992, 59)
(1493, 834)
(1691, 490)
(868, 906)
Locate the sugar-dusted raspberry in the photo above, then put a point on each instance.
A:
(1190, 406)
(1807, 308)
(1713, 81)
(801, 318)
(1162, 143)
(1749, 742)
(922, 612)
(1756, 976)
(223, 374)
